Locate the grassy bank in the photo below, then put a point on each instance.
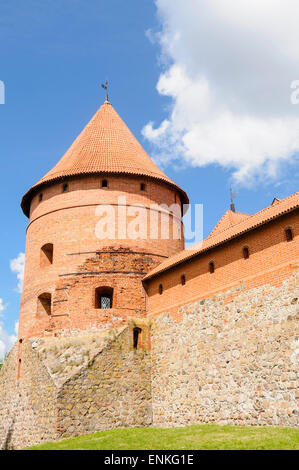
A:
(202, 437)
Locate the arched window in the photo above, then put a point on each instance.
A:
(104, 184)
(160, 289)
(142, 186)
(44, 303)
(104, 297)
(46, 255)
(183, 279)
(211, 267)
(289, 234)
(136, 337)
(65, 188)
(40, 197)
(245, 252)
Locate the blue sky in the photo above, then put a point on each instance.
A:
(54, 56)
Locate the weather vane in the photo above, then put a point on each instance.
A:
(106, 87)
(232, 197)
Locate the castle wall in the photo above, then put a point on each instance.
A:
(72, 386)
(272, 259)
(229, 361)
(27, 406)
(225, 345)
(114, 392)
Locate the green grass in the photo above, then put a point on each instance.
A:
(201, 437)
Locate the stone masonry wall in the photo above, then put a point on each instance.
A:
(71, 386)
(232, 362)
(114, 392)
(230, 359)
(27, 406)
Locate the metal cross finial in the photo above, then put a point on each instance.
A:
(232, 197)
(106, 87)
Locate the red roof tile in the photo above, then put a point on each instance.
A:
(219, 237)
(106, 145)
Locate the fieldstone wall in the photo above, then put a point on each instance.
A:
(229, 362)
(27, 406)
(113, 392)
(72, 386)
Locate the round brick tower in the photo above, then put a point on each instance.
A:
(76, 279)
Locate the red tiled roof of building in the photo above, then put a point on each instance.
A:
(229, 219)
(219, 237)
(105, 145)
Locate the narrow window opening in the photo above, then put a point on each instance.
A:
(289, 235)
(44, 302)
(142, 186)
(104, 297)
(136, 337)
(20, 341)
(46, 255)
(183, 279)
(160, 289)
(19, 368)
(65, 188)
(40, 197)
(104, 184)
(211, 267)
(245, 252)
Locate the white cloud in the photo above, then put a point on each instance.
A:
(6, 341)
(228, 70)
(17, 266)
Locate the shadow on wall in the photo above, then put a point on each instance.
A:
(7, 441)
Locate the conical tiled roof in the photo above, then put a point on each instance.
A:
(106, 145)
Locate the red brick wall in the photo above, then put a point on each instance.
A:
(68, 221)
(272, 259)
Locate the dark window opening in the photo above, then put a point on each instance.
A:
(183, 279)
(104, 184)
(104, 297)
(44, 304)
(65, 188)
(142, 186)
(160, 289)
(20, 341)
(46, 255)
(246, 252)
(289, 234)
(136, 337)
(211, 267)
(19, 368)
(40, 197)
